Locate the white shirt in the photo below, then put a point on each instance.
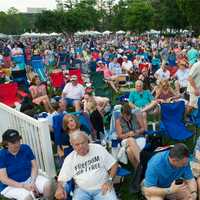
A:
(195, 75)
(162, 75)
(74, 91)
(90, 172)
(127, 65)
(182, 76)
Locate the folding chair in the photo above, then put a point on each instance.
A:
(38, 67)
(20, 61)
(57, 79)
(172, 121)
(20, 77)
(9, 94)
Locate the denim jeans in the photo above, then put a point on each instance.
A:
(80, 194)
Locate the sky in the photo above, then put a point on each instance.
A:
(21, 5)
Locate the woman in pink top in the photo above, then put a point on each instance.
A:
(107, 74)
(39, 94)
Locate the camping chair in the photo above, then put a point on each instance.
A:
(57, 79)
(38, 67)
(172, 124)
(76, 72)
(100, 86)
(124, 80)
(20, 77)
(9, 94)
(20, 61)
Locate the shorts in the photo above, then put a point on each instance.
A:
(21, 193)
(71, 102)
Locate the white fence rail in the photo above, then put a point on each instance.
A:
(34, 133)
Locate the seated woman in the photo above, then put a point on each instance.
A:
(164, 94)
(128, 127)
(70, 125)
(95, 118)
(19, 177)
(39, 94)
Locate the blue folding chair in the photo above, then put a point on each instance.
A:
(38, 67)
(172, 121)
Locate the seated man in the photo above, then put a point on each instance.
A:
(140, 98)
(73, 93)
(19, 177)
(168, 175)
(92, 169)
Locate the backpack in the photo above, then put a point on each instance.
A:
(145, 156)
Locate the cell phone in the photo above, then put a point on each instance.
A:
(179, 181)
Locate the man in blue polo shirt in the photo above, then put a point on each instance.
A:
(169, 175)
(19, 177)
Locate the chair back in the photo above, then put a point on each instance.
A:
(172, 115)
(8, 93)
(57, 80)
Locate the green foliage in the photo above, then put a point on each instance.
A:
(139, 16)
(167, 15)
(190, 9)
(80, 15)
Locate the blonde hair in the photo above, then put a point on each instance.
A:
(91, 105)
(66, 121)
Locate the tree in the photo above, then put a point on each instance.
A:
(167, 15)
(139, 16)
(191, 11)
(119, 16)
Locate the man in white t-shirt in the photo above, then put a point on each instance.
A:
(92, 169)
(73, 92)
(127, 65)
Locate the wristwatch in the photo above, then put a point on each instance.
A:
(110, 180)
(168, 191)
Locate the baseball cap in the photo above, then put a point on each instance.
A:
(125, 57)
(73, 78)
(99, 61)
(11, 135)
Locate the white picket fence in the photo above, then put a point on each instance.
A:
(34, 133)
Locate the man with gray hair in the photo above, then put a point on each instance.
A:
(91, 167)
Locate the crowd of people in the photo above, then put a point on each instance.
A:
(159, 69)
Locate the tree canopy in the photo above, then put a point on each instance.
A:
(79, 15)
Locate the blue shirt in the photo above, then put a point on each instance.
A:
(18, 167)
(160, 173)
(140, 99)
(192, 56)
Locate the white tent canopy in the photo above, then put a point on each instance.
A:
(152, 31)
(3, 35)
(54, 34)
(88, 33)
(120, 32)
(106, 32)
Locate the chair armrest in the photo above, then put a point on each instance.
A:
(22, 94)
